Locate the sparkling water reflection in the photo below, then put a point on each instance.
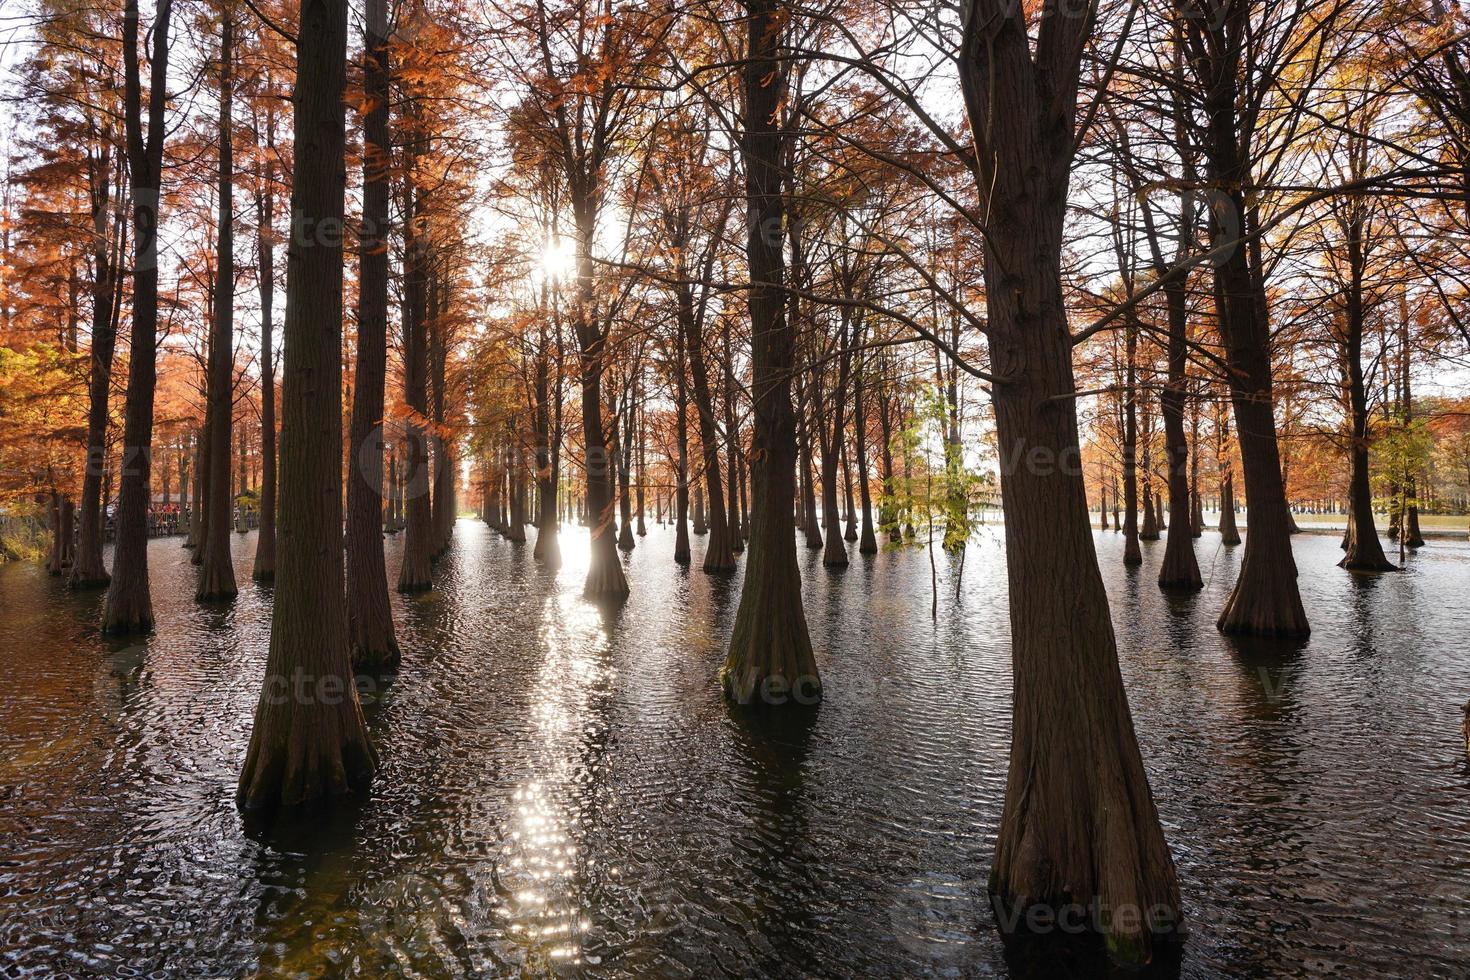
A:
(562, 791)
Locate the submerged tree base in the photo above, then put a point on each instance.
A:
(127, 610)
(87, 580)
(1263, 608)
(1071, 938)
(305, 760)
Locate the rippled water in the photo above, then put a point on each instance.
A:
(562, 790)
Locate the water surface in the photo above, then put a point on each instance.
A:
(563, 792)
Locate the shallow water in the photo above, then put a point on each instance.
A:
(562, 791)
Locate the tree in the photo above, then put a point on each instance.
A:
(129, 607)
(217, 574)
(770, 649)
(1079, 822)
(369, 617)
(309, 743)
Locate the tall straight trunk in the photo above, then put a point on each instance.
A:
(1266, 599)
(414, 574)
(265, 243)
(217, 572)
(1149, 531)
(718, 554)
(640, 495)
(770, 662)
(1078, 825)
(640, 503)
(203, 497)
(309, 743)
(1413, 536)
(88, 571)
(443, 507)
(732, 451)
(1196, 505)
(850, 533)
(370, 634)
(887, 513)
(625, 481)
(196, 510)
(517, 530)
(834, 554)
(604, 569)
(1179, 570)
(868, 541)
(184, 470)
(811, 526)
(1364, 550)
(129, 606)
(547, 549)
(1131, 553)
(681, 442)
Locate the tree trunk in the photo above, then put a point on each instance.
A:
(868, 540)
(370, 636)
(604, 570)
(1364, 550)
(625, 481)
(89, 571)
(1079, 825)
(444, 509)
(547, 549)
(681, 440)
(265, 541)
(1132, 555)
(309, 743)
(770, 662)
(718, 555)
(217, 572)
(1266, 599)
(415, 574)
(1179, 571)
(129, 606)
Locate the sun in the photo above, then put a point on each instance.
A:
(558, 259)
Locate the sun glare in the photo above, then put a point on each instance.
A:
(558, 259)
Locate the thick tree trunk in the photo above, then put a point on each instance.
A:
(129, 606)
(1266, 599)
(604, 570)
(370, 634)
(217, 572)
(309, 743)
(770, 662)
(1079, 824)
